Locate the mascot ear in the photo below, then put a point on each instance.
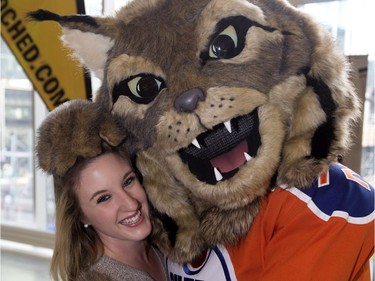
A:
(81, 33)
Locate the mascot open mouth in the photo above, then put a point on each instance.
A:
(217, 154)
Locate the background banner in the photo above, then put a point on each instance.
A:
(48, 64)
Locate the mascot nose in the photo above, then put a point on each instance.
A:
(188, 101)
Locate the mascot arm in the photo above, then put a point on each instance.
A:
(324, 232)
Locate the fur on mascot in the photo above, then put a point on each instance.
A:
(237, 112)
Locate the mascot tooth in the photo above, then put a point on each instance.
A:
(230, 104)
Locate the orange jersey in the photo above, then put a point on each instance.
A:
(324, 232)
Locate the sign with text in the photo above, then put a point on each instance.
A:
(37, 46)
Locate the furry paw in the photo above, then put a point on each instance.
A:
(75, 129)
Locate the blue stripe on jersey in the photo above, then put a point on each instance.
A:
(342, 194)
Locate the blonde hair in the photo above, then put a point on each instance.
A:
(77, 247)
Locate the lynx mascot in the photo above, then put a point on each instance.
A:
(237, 112)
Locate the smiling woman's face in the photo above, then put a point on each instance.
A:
(113, 201)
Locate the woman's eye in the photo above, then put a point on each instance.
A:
(142, 88)
(223, 46)
(103, 198)
(128, 181)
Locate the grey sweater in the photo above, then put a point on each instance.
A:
(108, 269)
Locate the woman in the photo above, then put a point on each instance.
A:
(102, 224)
(102, 213)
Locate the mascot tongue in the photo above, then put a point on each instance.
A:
(232, 159)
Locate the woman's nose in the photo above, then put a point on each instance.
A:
(128, 201)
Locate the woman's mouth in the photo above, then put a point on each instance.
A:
(132, 220)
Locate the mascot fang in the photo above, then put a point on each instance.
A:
(225, 100)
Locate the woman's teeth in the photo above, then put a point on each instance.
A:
(132, 220)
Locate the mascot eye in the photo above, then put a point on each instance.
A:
(224, 45)
(142, 88)
(229, 39)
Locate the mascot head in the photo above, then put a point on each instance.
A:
(225, 99)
